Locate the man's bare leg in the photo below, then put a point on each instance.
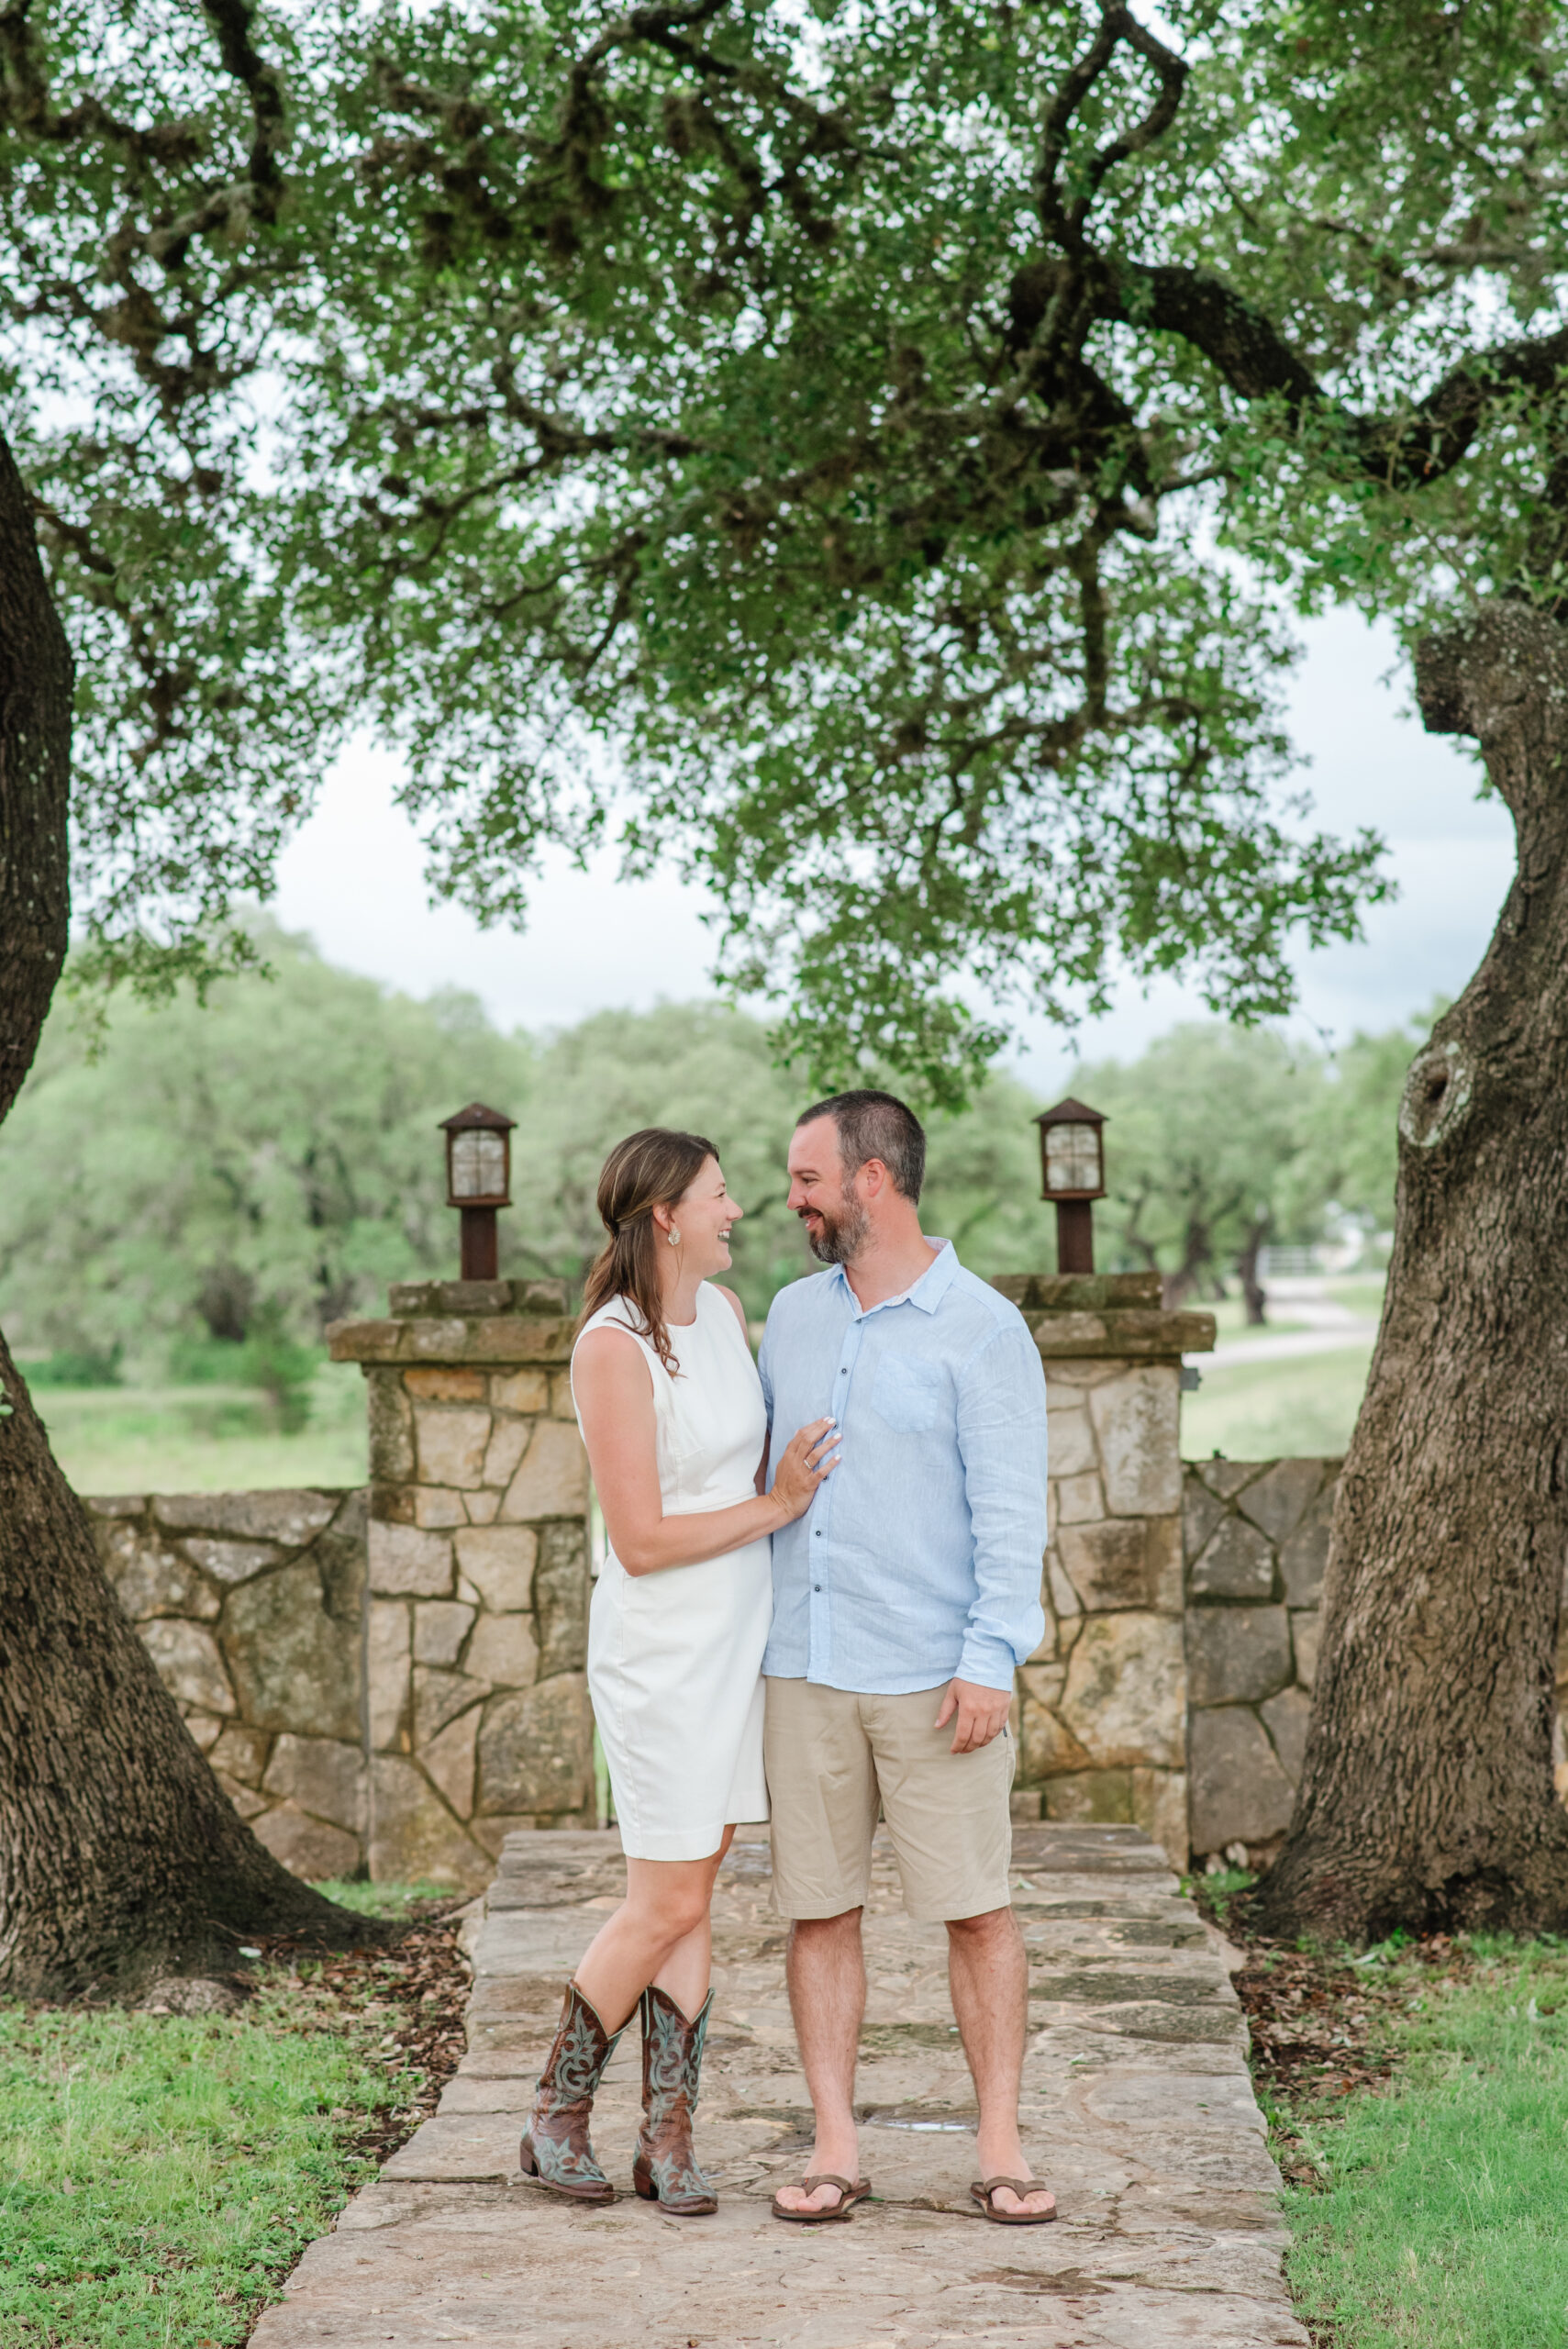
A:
(827, 1997)
(988, 1972)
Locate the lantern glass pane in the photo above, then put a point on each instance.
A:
(1071, 1158)
(478, 1166)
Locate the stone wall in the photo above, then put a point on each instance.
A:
(253, 1606)
(1255, 1542)
(389, 1682)
(1101, 1708)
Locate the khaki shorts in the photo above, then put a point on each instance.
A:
(833, 1756)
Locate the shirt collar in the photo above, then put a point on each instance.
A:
(928, 1292)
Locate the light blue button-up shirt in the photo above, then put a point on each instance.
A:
(920, 1557)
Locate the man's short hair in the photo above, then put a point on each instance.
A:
(876, 1125)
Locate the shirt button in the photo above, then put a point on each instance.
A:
(816, 1586)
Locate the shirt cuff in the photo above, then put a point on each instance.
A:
(987, 1662)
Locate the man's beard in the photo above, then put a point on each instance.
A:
(842, 1238)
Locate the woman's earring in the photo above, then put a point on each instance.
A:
(675, 1237)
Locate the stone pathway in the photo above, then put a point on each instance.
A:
(1137, 2108)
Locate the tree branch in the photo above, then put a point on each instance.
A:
(1051, 300)
(1403, 451)
(1064, 219)
(231, 21)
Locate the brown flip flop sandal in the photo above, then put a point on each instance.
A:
(984, 2187)
(849, 2194)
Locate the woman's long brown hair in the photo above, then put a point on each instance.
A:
(653, 1169)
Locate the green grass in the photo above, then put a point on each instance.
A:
(382, 1900)
(161, 2174)
(1272, 1410)
(1444, 2215)
(204, 1438)
(1215, 1893)
(1362, 1293)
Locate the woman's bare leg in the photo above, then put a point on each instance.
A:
(659, 1934)
(685, 1973)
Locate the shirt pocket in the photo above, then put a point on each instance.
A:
(908, 1395)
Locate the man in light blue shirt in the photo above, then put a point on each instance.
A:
(904, 1600)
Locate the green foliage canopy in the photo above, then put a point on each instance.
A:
(813, 445)
(715, 427)
(155, 234)
(849, 419)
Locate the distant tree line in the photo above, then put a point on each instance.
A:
(1225, 1140)
(215, 1184)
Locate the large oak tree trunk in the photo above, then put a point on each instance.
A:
(119, 1853)
(1426, 1795)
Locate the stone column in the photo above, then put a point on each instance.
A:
(476, 1700)
(1102, 1704)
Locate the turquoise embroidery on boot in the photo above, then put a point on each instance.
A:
(557, 2135)
(672, 2077)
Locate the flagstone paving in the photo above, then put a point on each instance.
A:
(1137, 2108)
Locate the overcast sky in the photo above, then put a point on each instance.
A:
(353, 878)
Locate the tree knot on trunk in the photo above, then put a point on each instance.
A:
(1507, 666)
(1437, 1093)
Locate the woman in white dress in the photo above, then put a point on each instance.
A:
(670, 1409)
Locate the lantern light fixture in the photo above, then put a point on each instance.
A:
(1073, 1175)
(479, 1181)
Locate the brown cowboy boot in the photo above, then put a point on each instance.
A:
(665, 2170)
(555, 2148)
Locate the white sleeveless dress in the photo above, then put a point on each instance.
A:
(676, 1658)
